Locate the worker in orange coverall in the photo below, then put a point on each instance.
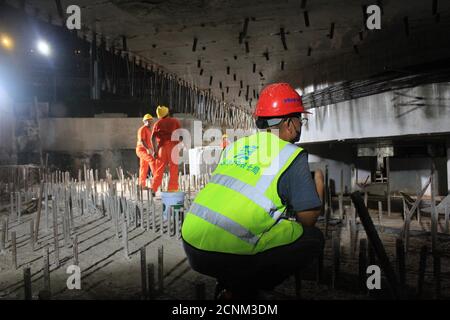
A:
(144, 150)
(163, 147)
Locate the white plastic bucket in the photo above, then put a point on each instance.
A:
(171, 199)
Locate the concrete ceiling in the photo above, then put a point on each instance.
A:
(163, 32)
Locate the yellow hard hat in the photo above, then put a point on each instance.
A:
(162, 111)
(147, 117)
(225, 136)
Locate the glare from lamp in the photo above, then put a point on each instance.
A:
(6, 42)
(43, 47)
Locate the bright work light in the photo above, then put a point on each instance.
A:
(43, 47)
(6, 42)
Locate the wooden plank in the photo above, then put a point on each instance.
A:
(406, 225)
(375, 240)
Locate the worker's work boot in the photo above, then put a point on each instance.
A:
(222, 293)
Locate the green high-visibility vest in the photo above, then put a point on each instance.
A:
(239, 210)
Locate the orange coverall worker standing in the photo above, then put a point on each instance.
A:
(163, 147)
(144, 150)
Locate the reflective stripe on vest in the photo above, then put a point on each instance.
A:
(275, 167)
(223, 222)
(248, 191)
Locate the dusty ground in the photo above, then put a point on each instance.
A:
(108, 274)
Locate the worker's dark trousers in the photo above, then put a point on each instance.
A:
(264, 270)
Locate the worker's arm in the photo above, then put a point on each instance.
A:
(155, 129)
(155, 147)
(149, 150)
(309, 218)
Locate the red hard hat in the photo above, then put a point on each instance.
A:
(279, 99)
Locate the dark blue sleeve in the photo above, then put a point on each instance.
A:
(296, 186)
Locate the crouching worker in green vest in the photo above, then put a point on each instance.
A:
(253, 225)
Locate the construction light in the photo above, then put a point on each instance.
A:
(43, 48)
(6, 42)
